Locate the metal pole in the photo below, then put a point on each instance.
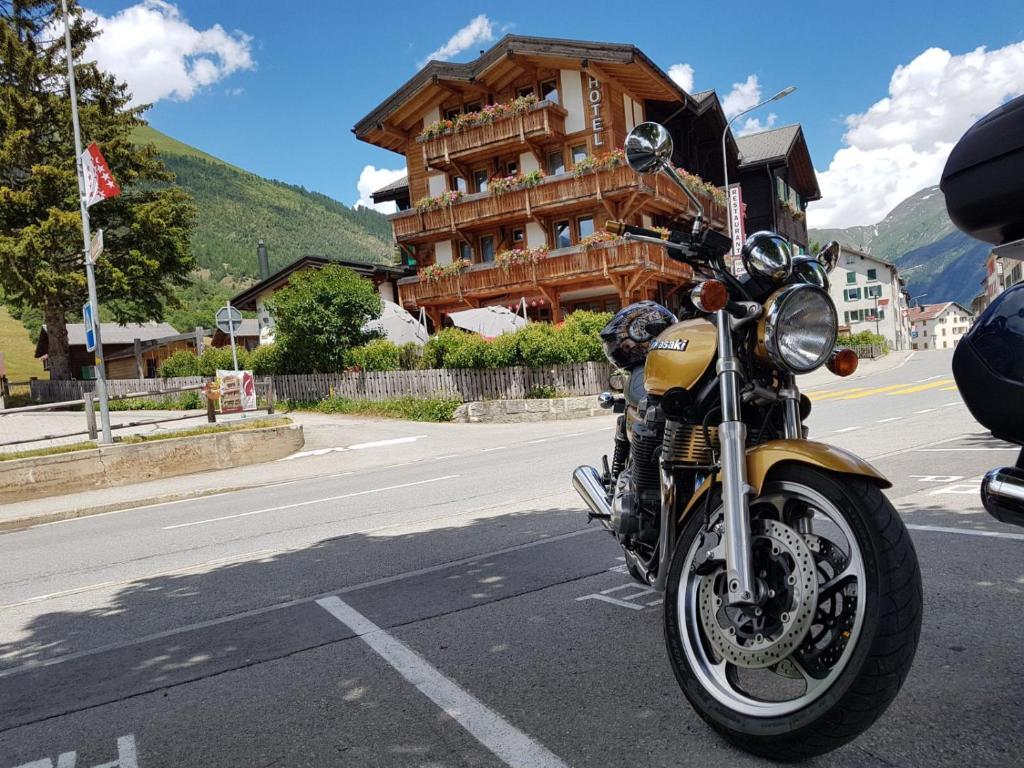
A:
(231, 330)
(101, 371)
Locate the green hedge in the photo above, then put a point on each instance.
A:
(411, 408)
(862, 339)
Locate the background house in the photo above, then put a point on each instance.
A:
(939, 326)
(131, 351)
(462, 199)
(870, 296)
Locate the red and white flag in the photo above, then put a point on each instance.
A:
(99, 182)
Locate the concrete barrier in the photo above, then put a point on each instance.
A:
(512, 411)
(109, 466)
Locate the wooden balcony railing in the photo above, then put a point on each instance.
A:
(553, 193)
(542, 123)
(564, 266)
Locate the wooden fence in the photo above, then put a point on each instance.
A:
(466, 385)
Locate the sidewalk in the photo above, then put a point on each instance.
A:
(334, 445)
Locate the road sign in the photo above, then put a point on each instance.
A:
(95, 246)
(229, 319)
(89, 319)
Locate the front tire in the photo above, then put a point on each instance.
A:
(867, 670)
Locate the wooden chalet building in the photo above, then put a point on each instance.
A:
(514, 165)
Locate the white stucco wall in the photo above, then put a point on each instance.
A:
(535, 235)
(572, 100)
(387, 291)
(443, 252)
(527, 162)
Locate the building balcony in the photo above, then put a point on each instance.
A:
(624, 266)
(621, 191)
(543, 123)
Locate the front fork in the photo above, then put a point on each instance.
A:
(732, 434)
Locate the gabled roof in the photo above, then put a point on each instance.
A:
(246, 300)
(397, 188)
(851, 251)
(931, 311)
(782, 146)
(766, 146)
(110, 333)
(389, 123)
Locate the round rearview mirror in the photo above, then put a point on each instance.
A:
(828, 256)
(617, 382)
(648, 148)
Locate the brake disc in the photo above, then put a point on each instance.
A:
(824, 644)
(759, 636)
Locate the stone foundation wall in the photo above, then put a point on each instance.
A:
(511, 411)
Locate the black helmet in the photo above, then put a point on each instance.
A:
(629, 334)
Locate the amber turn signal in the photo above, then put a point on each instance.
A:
(710, 296)
(615, 227)
(843, 362)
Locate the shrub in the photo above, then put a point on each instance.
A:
(541, 344)
(411, 408)
(378, 355)
(503, 352)
(409, 356)
(181, 363)
(220, 358)
(862, 339)
(265, 360)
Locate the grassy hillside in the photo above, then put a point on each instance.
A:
(237, 208)
(917, 235)
(18, 349)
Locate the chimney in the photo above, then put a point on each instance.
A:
(264, 260)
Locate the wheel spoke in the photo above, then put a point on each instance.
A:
(812, 682)
(836, 583)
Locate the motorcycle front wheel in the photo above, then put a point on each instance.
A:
(832, 639)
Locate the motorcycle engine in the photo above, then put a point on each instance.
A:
(636, 502)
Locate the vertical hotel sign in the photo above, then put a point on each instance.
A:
(596, 121)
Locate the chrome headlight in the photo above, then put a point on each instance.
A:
(798, 328)
(768, 255)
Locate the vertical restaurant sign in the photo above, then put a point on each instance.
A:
(99, 182)
(736, 219)
(596, 121)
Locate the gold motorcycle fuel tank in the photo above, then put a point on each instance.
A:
(680, 355)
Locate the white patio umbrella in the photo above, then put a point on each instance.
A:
(487, 321)
(397, 325)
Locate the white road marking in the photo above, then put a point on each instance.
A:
(938, 478)
(950, 405)
(307, 503)
(32, 665)
(604, 595)
(495, 448)
(924, 410)
(959, 490)
(845, 429)
(960, 450)
(612, 600)
(355, 447)
(446, 456)
(127, 757)
(541, 440)
(509, 744)
(890, 419)
(967, 532)
(930, 378)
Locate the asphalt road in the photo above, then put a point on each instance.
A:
(452, 608)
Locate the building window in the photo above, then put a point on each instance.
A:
(578, 153)
(451, 114)
(851, 277)
(549, 91)
(851, 259)
(563, 237)
(873, 291)
(512, 168)
(459, 184)
(852, 294)
(473, 106)
(526, 90)
(465, 251)
(480, 180)
(872, 274)
(881, 314)
(584, 227)
(487, 248)
(556, 163)
(518, 235)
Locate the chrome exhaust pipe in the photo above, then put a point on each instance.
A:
(1002, 493)
(588, 484)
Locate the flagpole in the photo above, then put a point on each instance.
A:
(101, 373)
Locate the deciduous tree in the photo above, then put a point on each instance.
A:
(146, 229)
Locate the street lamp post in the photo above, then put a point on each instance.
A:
(725, 158)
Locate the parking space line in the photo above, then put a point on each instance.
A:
(307, 503)
(845, 429)
(505, 741)
(890, 419)
(967, 532)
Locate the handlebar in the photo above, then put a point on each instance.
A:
(622, 228)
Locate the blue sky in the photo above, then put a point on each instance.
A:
(281, 84)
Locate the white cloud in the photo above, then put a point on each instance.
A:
(742, 96)
(682, 74)
(900, 143)
(479, 30)
(755, 125)
(372, 179)
(154, 49)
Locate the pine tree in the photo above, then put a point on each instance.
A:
(146, 230)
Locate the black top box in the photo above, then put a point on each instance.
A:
(983, 180)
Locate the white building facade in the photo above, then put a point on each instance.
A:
(869, 296)
(939, 326)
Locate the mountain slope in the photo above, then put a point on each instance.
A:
(917, 235)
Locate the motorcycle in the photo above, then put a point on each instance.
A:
(982, 186)
(792, 591)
